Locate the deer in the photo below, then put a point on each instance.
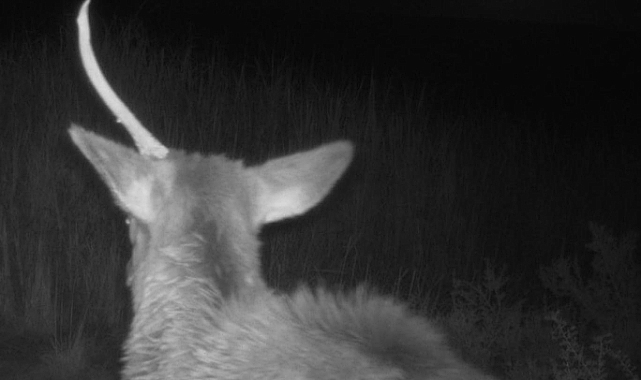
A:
(201, 306)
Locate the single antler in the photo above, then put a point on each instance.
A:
(147, 144)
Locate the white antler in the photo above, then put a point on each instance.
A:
(147, 144)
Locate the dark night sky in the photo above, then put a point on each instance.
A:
(485, 37)
(523, 47)
(521, 41)
(619, 12)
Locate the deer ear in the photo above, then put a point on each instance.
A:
(129, 175)
(291, 185)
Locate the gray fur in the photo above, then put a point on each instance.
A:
(201, 307)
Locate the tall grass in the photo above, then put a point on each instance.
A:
(438, 185)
